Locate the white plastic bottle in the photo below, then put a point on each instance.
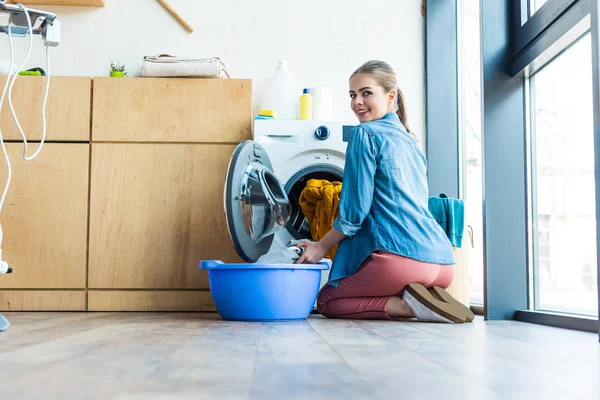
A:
(282, 93)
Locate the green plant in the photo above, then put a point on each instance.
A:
(117, 68)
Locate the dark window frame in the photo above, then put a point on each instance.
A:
(514, 46)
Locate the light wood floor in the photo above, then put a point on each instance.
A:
(199, 356)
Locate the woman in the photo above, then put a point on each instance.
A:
(393, 259)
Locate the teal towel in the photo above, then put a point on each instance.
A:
(450, 214)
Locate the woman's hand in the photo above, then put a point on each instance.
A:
(313, 252)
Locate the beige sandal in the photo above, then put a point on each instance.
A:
(428, 308)
(441, 294)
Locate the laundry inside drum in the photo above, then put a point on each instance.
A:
(298, 225)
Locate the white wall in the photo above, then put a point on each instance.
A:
(322, 40)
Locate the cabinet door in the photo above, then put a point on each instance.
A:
(156, 210)
(67, 111)
(44, 217)
(172, 110)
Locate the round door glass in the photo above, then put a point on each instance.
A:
(298, 224)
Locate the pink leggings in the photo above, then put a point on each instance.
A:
(364, 295)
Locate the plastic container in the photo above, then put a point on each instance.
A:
(4, 324)
(322, 103)
(30, 73)
(263, 292)
(282, 93)
(306, 105)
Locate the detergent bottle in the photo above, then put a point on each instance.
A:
(306, 105)
(282, 93)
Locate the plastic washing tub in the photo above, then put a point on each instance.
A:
(263, 292)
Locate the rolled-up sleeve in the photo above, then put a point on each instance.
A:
(358, 184)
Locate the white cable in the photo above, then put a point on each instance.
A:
(9, 169)
(10, 81)
(25, 157)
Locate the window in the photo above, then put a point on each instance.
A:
(562, 184)
(471, 133)
(535, 5)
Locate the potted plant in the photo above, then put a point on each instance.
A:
(117, 71)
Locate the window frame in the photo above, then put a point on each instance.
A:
(514, 46)
(595, 30)
(442, 104)
(548, 33)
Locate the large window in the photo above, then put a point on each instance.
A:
(471, 134)
(535, 5)
(562, 185)
(523, 131)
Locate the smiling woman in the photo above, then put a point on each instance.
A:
(374, 92)
(393, 259)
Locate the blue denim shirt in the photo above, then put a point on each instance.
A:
(384, 200)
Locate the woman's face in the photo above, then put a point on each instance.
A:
(368, 99)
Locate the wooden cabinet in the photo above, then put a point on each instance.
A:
(42, 300)
(45, 214)
(156, 210)
(44, 218)
(67, 111)
(150, 300)
(172, 110)
(160, 151)
(119, 219)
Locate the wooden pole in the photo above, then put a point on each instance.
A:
(174, 13)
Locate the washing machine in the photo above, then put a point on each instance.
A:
(266, 176)
(300, 151)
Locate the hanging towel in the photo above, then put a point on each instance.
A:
(319, 202)
(450, 214)
(165, 65)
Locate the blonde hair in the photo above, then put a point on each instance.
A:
(386, 77)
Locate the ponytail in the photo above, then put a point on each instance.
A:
(401, 110)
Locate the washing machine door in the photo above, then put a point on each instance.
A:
(256, 205)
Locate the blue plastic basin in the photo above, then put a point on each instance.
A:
(263, 292)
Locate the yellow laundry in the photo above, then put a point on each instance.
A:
(319, 202)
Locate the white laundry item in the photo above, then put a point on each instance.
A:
(165, 65)
(294, 243)
(281, 254)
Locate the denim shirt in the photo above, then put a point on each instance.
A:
(384, 200)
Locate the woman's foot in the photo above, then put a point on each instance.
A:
(396, 308)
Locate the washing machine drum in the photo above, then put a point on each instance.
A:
(298, 225)
(256, 204)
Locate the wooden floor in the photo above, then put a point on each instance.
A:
(198, 356)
